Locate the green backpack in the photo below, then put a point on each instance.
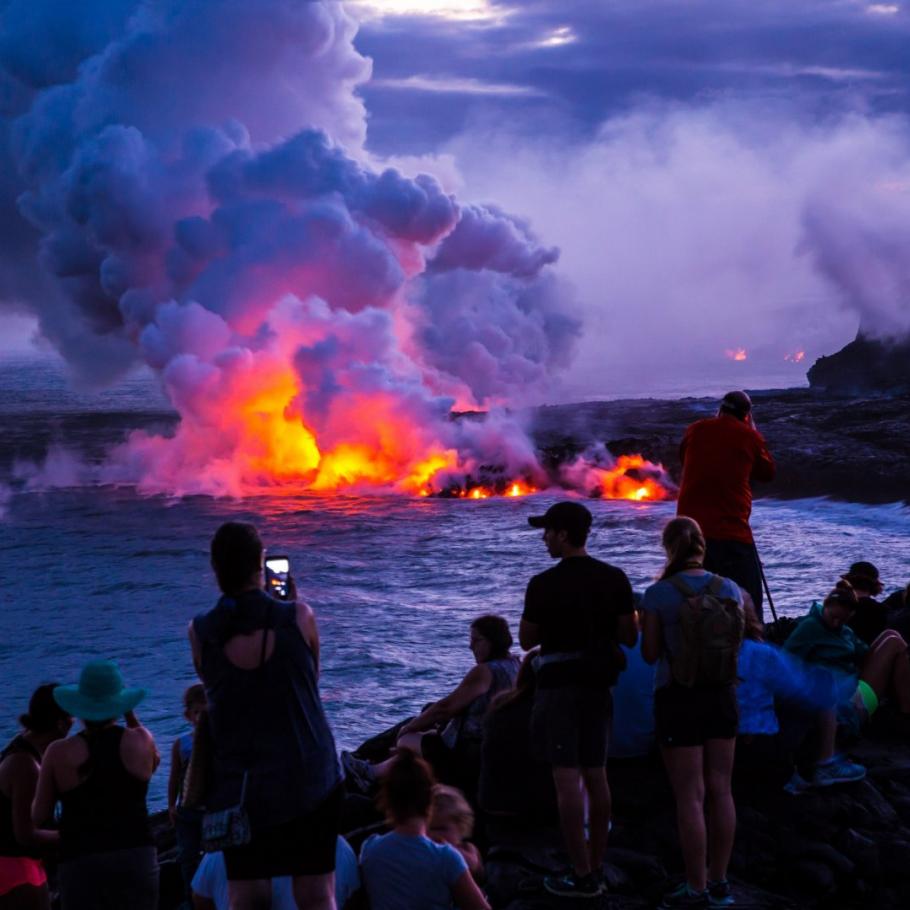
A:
(711, 632)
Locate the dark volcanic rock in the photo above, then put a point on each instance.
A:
(850, 448)
(866, 365)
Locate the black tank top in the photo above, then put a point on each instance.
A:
(9, 846)
(107, 810)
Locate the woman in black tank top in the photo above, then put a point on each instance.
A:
(100, 778)
(23, 882)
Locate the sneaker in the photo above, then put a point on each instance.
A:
(797, 784)
(684, 896)
(360, 775)
(837, 770)
(720, 894)
(572, 885)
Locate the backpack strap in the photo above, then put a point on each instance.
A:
(681, 586)
(715, 585)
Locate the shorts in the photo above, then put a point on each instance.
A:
(690, 717)
(856, 713)
(570, 726)
(16, 871)
(303, 846)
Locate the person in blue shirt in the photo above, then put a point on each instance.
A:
(767, 673)
(210, 884)
(404, 869)
(187, 821)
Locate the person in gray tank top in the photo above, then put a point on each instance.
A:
(258, 659)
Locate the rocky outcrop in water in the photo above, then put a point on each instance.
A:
(864, 366)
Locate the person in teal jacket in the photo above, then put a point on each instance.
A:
(823, 637)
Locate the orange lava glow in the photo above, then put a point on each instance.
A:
(795, 356)
(617, 483)
(735, 354)
(512, 489)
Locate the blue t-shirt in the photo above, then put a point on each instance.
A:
(664, 600)
(211, 881)
(402, 872)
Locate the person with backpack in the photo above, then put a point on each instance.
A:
(579, 611)
(692, 627)
(722, 457)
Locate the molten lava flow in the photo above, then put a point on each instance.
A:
(632, 477)
(735, 354)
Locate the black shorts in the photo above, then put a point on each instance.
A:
(690, 717)
(303, 846)
(570, 726)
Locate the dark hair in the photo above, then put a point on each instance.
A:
(406, 789)
(495, 630)
(576, 536)
(738, 404)
(842, 594)
(525, 684)
(43, 712)
(685, 545)
(194, 695)
(236, 555)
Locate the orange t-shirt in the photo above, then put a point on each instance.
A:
(721, 457)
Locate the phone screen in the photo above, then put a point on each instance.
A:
(277, 569)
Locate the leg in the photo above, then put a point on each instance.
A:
(571, 804)
(739, 562)
(718, 773)
(599, 808)
(827, 735)
(315, 892)
(250, 894)
(685, 768)
(886, 666)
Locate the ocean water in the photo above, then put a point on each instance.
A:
(103, 572)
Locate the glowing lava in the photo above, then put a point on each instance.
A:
(795, 357)
(736, 354)
(632, 477)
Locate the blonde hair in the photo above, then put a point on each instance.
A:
(449, 803)
(685, 545)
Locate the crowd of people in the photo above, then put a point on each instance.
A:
(256, 787)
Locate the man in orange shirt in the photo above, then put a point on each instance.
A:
(721, 457)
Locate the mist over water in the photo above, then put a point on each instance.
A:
(104, 572)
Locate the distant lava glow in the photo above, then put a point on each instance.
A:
(736, 354)
(795, 356)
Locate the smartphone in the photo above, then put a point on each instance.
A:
(277, 569)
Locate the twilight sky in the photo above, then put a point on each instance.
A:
(727, 182)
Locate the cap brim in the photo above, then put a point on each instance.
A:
(78, 705)
(538, 521)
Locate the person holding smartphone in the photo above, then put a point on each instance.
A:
(274, 753)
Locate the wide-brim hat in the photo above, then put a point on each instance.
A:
(100, 694)
(864, 575)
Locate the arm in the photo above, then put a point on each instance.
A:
(24, 774)
(528, 634)
(763, 466)
(475, 684)
(194, 648)
(173, 781)
(627, 629)
(467, 895)
(306, 622)
(139, 753)
(651, 637)
(46, 790)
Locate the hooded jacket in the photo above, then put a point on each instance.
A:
(816, 643)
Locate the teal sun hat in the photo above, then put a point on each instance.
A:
(100, 694)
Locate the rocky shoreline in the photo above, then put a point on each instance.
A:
(849, 448)
(846, 846)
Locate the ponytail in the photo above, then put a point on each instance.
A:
(685, 546)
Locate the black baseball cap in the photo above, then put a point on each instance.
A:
(563, 516)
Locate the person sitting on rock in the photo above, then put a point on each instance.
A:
(871, 617)
(765, 755)
(513, 782)
(823, 637)
(448, 732)
(897, 612)
(404, 869)
(452, 822)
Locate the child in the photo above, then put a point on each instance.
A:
(187, 821)
(404, 869)
(452, 822)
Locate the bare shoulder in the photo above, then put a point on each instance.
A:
(138, 738)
